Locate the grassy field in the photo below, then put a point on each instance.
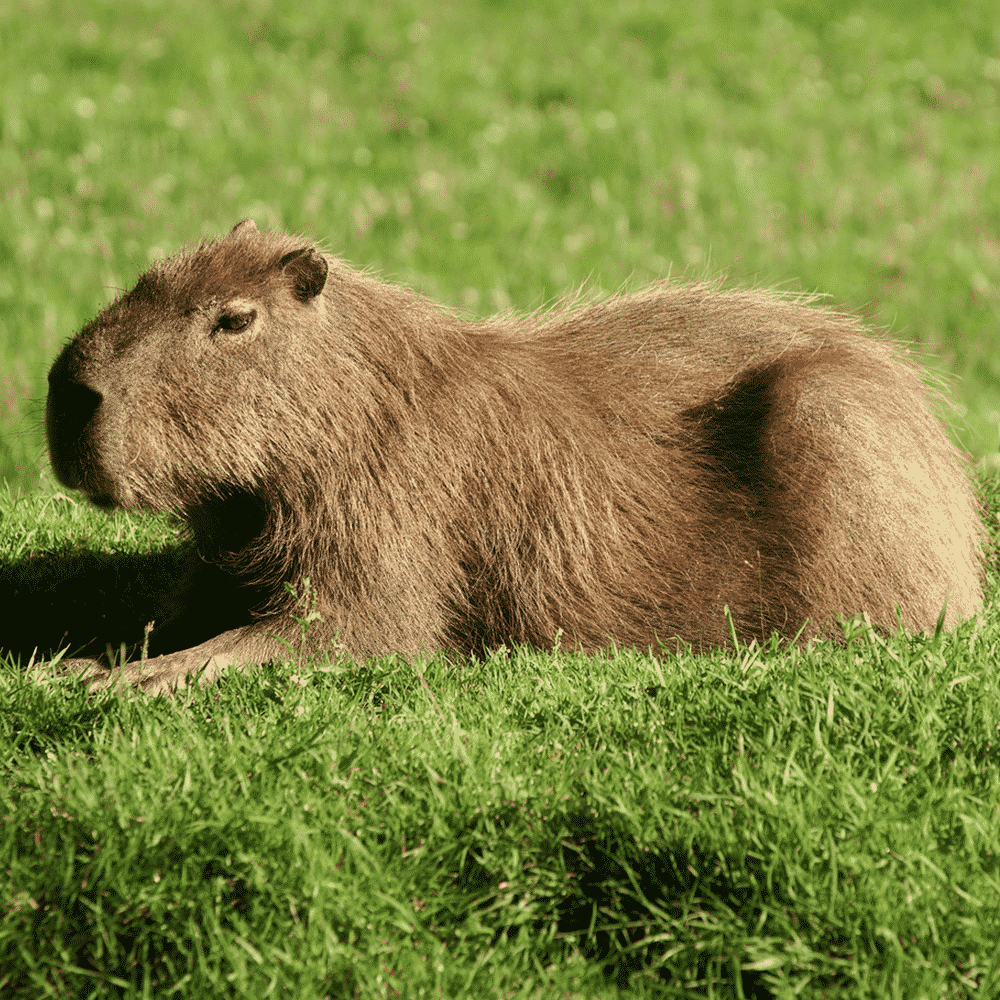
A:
(757, 823)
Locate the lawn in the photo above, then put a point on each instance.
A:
(775, 822)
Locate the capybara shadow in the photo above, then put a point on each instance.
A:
(81, 601)
(611, 473)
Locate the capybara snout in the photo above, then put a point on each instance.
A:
(613, 473)
(72, 405)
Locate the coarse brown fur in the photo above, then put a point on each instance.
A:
(616, 472)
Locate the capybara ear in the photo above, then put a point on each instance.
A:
(306, 269)
(244, 226)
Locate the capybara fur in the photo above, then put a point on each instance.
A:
(610, 473)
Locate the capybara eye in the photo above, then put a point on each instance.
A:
(235, 322)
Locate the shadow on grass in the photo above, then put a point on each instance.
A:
(628, 908)
(81, 600)
(630, 891)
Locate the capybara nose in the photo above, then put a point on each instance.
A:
(70, 407)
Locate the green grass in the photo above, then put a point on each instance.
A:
(770, 823)
(760, 823)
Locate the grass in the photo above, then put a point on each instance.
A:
(755, 823)
(758, 822)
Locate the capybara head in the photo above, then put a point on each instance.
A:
(619, 472)
(189, 385)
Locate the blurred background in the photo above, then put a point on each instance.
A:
(496, 154)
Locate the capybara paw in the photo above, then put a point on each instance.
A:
(88, 671)
(172, 672)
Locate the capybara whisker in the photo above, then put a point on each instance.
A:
(607, 473)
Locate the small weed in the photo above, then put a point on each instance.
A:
(307, 602)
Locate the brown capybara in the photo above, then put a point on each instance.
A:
(612, 473)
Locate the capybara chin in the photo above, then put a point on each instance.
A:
(614, 473)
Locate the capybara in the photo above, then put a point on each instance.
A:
(609, 473)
